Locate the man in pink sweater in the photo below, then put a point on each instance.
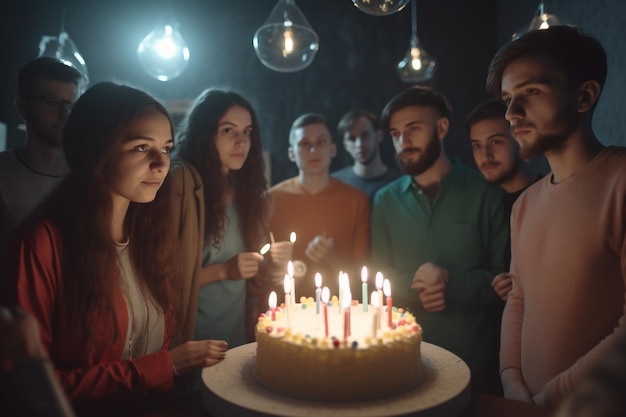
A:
(568, 230)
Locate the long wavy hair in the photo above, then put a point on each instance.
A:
(81, 208)
(196, 145)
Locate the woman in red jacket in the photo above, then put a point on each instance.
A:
(95, 262)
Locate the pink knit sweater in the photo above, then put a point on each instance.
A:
(569, 260)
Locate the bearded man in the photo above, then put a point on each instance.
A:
(439, 233)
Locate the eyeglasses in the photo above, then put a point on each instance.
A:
(54, 103)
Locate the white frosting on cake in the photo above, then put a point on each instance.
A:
(296, 358)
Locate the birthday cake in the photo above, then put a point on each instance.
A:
(340, 354)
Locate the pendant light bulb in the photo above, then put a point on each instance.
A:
(286, 42)
(417, 66)
(540, 21)
(163, 53)
(380, 7)
(63, 48)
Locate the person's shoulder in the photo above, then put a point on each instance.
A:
(615, 153)
(180, 165)
(184, 179)
(8, 161)
(347, 189)
(393, 173)
(472, 177)
(35, 231)
(288, 186)
(394, 187)
(343, 174)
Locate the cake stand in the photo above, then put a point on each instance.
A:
(231, 390)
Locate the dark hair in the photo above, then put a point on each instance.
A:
(417, 95)
(49, 68)
(578, 56)
(197, 146)
(490, 109)
(81, 208)
(308, 119)
(349, 118)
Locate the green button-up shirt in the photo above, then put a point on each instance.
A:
(464, 231)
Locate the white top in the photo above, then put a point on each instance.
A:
(146, 324)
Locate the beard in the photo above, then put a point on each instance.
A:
(554, 141)
(428, 157)
(505, 176)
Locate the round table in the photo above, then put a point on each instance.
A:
(230, 389)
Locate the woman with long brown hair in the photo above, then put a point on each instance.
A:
(96, 262)
(220, 177)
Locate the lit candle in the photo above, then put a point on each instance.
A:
(273, 300)
(345, 303)
(343, 282)
(387, 290)
(292, 237)
(287, 286)
(375, 306)
(379, 288)
(290, 272)
(325, 298)
(364, 288)
(265, 249)
(318, 292)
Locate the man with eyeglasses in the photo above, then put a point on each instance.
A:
(330, 217)
(47, 90)
(439, 233)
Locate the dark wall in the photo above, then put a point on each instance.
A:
(355, 65)
(604, 19)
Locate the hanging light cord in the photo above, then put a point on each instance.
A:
(62, 16)
(414, 18)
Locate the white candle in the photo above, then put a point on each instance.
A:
(375, 306)
(379, 288)
(343, 284)
(287, 286)
(364, 288)
(272, 301)
(387, 290)
(318, 292)
(345, 303)
(290, 272)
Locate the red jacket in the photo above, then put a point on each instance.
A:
(94, 377)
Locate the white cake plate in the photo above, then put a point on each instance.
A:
(230, 390)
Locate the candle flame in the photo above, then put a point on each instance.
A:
(364, 274)
(290, 268)
(273, 300)
(292, 237)
(325, 295)
(318, 279)
(265, 249)
(344, 281)
(379, 280)
(287, 284)
(387, 288)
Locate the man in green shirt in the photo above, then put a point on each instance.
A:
(439, 233)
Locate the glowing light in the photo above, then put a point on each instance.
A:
(163, 53)
(286, 42)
